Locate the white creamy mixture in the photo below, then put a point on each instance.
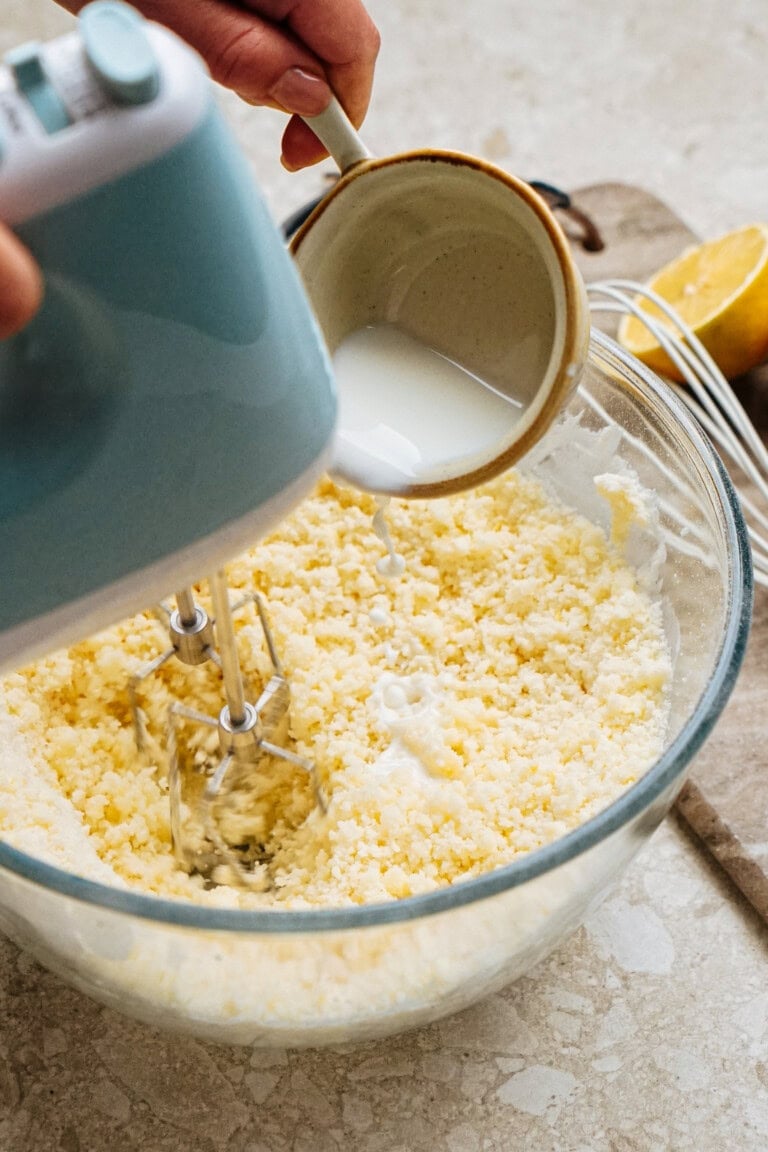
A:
(506, 687)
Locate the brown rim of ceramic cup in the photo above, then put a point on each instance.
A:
(576, 337)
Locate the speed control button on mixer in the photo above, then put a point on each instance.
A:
(35, 86)
(119, 52)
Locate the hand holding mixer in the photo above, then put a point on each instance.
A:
(173, 398)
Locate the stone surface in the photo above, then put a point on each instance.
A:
(648, 1030)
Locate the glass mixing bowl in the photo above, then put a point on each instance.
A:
(323, 976)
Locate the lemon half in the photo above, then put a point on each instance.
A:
(720, 289)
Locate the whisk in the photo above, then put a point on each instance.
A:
(709, 397)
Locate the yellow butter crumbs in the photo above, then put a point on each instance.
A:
(505, 688)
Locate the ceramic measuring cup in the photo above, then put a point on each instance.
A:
(452, 253)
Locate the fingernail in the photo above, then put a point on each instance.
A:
(301, 92)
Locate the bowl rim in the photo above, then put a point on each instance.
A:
(667, 771)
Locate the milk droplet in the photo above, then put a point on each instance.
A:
(392, 565)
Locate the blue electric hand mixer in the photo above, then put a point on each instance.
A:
(172, 400)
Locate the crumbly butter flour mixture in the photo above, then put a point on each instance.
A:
(503, 689)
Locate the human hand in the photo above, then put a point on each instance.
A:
(286, 54)
(21, 285)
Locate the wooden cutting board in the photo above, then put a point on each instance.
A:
(725, 800)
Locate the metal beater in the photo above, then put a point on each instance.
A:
(214, 829)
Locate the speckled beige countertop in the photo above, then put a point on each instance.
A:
(648, 1030)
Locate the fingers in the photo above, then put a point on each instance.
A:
(341, 35)
(245, 52)
(300, 146)
(21, 284)
(346, 41)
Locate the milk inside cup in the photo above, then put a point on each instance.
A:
(454, 314)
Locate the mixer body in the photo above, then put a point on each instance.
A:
(173, 398)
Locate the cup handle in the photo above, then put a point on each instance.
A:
(335, 132)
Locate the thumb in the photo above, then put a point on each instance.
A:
(21, 284)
